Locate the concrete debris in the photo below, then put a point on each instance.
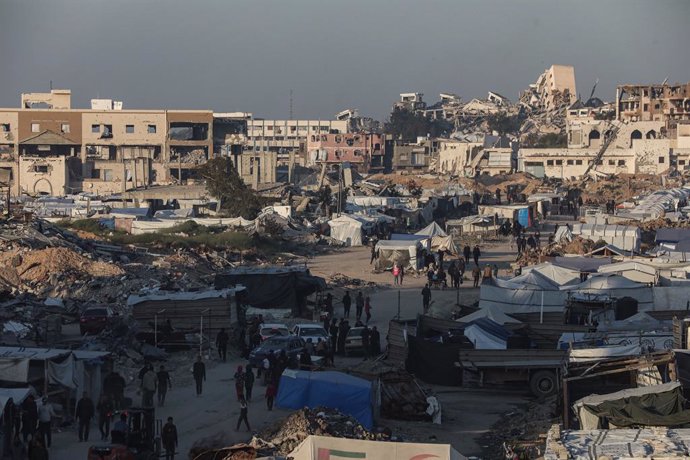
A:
(284, 436)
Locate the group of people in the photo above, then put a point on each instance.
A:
(362, 305)
(27, 428)
(475, 253)
(523, 241)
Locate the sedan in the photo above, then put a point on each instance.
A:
(292, 345)
(353, 340)
(271, 329)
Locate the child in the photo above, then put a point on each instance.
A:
(270, 395)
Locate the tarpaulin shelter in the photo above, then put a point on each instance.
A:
(487, 334)
(526, 293)
(327, 448)
(581, 264)
(350, 395)
(560, 275)
(617, 286)
(273, 287)
(347, 229)
(523, 213)
(403, 252)
(622, 236)
(439, 240)
(491, 312)
(431, 230)
(77, 370)
(656, 405)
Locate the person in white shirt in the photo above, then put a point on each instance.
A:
(45, 418)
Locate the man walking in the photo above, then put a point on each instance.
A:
(366, 344)
(105, 411)
(169, 439)
(347, 303)
(426, 297)
(476, 253)
(148, 387)
(359, 305)
(222, 340)
(243, 415)
(164, 383)
(476, 273)
(367, 308)
(45, 418)
(461, 268)
(373, 253)
(248, 381)
(333, 331)
(199, 373)
(467, 252)
(84, 413)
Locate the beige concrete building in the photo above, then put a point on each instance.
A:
(660, 102)
(553, 87)
(57, 150)
(489, 156)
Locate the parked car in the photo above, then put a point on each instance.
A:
(353, 340)
(95, 319)
(291, 344)
(312, 331)
(272, 329)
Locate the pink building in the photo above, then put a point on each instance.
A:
(364, 151)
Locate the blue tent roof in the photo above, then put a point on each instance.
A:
(350, 395)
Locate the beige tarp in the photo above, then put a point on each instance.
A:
(326, 448)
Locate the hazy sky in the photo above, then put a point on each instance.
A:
(237, 55)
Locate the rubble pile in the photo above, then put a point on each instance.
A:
(523, 431)
(625, 187)
(344, 281)
(286, 435)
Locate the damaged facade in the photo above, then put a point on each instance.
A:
(364, 151)
(660, 102)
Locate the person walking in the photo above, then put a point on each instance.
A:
(243, 415)
(333, 331)
(374, 254)
(249, 381)
(401, 275)
(426, 297)
(467, 252)
(476, 253)
(396, 274)
(347, 303)
(367, 309)
(476, 273)
(164, 383)
(45, 419)
(342, 334)
(199, 373)
(84, 412)
(495, 271)
(359, 305)
(105, 412)
(29, 418)
(169, 439)
(239, 383)
(461, 268)
(222, 340)
(270, 395)
(148, 387)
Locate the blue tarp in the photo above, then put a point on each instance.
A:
(350, 395)
(523, 217)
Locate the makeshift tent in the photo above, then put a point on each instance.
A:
(616, 286)
(526, 293)
(18, 395)
(350, 395)
(328, 448)
(563, 234)
(581, 264)
(560, 275)
(347, 229)
(656, 405)
(491, 312)
(621, 236)
(433, 229)
(273, 287)
(486, 334)
(472, 224)
(400, 251)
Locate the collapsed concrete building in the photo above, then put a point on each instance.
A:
(553, 88)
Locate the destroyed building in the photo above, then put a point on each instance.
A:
(552, 88)
(364, 151)
(658, 102)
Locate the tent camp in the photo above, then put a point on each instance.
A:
(486, 334)
(523, 294)
(656, 405)
(440, 241)
(622, 236)
(431, 230)
(401, 251)
(560, 275)
(350, 395)
(617, 286)
(325, 448)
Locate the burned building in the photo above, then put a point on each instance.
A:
(659, 102)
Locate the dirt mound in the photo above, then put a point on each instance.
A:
(579, 246)
(38, 266)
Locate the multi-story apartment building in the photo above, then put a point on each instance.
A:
(364, 151)
(50, 148)
(661, 102)
(553, 87)
(413, 155)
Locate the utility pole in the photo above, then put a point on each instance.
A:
(290, 103)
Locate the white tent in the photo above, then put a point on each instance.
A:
(618, 286)
(621, 236)
(431, 230)
(492, 312)
(323, 447)
(559, 275)
(403, 252)
(523, 294)
(346, 229)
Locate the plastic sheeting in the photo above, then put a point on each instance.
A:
(486, 334)
(402, 252)
(491, 312)
(351, 395)
(622, 236)
(347, 230)
(433, 229)
(579, 355)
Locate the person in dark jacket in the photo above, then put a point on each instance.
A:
(375, 341)
(169, 439)
(476, 253)
(243, 415)
(8, 415)
(359, 305)
(333, 330)
(248, 381)
(164, 383)
(347, 303)
(426, 297)
(84, 413)
(29, 418)
(466, 251)
(222, 340)
(105, 413)
(199, 373)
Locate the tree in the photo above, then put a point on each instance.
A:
(224, 183)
